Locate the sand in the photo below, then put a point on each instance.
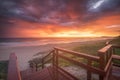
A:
(26, 53)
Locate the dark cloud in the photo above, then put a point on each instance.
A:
(42, 10)
(58, 12)
(55, 11)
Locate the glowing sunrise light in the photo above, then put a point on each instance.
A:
(76, 34)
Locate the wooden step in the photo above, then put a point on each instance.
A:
(48, 74)
(115, 75)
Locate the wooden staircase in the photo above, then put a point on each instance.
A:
(115, 74)
(106, 68)
(49, 73)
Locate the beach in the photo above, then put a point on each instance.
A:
(26, 53)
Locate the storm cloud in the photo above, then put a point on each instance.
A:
(62, 13)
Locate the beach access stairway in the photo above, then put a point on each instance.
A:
(106, 68)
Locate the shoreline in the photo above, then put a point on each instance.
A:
(26, 53)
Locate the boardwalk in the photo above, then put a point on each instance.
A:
(115, 74)
(106, 69)
(48, 74)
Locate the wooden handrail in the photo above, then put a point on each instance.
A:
(106, 55)
(116, 46)
(105, 64)
(103, 70)
(63, 71)
(108, 64)
(13, 71)
(47, 60)
(105, 49)
(108, 72)
(104, 59)
(48, 54)
(90, 68)
(45, 57)
(90, 57)
(116, 57)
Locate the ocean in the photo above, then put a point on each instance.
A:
(13, 42)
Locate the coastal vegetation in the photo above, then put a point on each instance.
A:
(3, 70)
(115, 41)
(90, 47)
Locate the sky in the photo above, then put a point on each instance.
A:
(59, 18)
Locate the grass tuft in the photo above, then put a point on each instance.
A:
(3, 70)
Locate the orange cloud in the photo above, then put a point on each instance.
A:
(104, 26)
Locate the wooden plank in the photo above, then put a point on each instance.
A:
(116, 57)
(42, 63)
(90, 68)
(108, 71)
(107, 56)
(45, 57)
(94, 58)
(39, 75)
(116, 46)
(101, 64)
(101, 60)
(47, 74)
(108, 64)
(56, 63)
(66, 74)
(48, 60)
(53, 61)
(104, 49)
(89, 77)
(114, 73)
(48, 54)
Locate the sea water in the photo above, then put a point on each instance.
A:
(13, 42)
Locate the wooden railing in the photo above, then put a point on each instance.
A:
(107, 55)
(47, 58)
(104, 59)
(89, 67)
(13, 71)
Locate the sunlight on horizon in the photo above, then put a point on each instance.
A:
(79, 34)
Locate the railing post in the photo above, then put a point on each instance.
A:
(53, 60)
(88, 72)
(36, 67)
(102, 63)
(113, 50)
(13, 70)
(55, 64)
(32, 66)
(42, 63)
